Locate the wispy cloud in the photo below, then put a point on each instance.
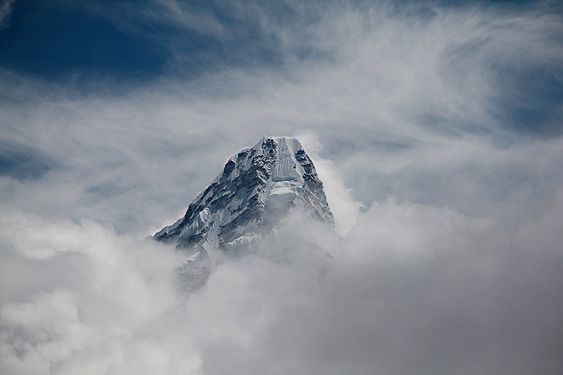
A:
(453, 265)
(5, 12)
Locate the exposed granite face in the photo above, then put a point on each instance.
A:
(256, 189)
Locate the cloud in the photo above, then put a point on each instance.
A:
(103, 287)
(449, 260)
(5, 12)
(340, 200)
(170, 14)
(413, 288)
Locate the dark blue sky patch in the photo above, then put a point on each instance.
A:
(121, 41)
(23, 163)
(53, 40)
(531, 100)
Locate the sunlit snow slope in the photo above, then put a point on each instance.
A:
(256, 189)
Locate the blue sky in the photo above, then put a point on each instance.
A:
(126, 44)
(57, 39)
(133, 40)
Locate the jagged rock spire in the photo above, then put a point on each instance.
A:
(256, 189)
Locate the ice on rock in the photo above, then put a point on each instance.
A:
(256, 189)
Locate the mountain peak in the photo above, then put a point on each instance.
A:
(256, 190)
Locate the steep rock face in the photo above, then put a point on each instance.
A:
(255, 191)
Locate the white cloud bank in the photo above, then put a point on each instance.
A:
(454, 268)
(412, 289)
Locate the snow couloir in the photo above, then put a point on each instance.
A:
(256, 190)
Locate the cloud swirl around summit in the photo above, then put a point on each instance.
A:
(436, 130)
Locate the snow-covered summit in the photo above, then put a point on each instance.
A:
(255, 191)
